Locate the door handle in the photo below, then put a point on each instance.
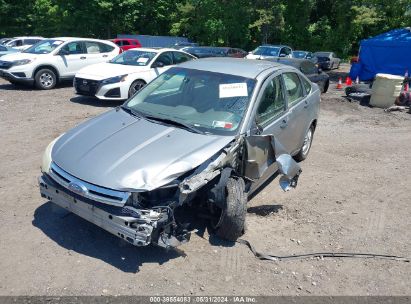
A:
(105, 55)
(306, 104)
(83, 57)
(284, 124)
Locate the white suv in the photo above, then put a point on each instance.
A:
(51, 60)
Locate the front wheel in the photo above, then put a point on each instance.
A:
(231, 224)
(45, 79)
(305, 149)
(135, 87)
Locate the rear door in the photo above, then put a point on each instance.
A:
(298, 107)
(93, 53)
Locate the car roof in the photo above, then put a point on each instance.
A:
(65, 39)
(275, 45)
(249, 68)
(27, 37)
(115, 39)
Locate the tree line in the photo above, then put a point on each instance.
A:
(312, 25)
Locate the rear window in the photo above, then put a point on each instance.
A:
(105, 48)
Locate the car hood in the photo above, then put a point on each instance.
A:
(18, 56)
(122, 152)
(105, 70)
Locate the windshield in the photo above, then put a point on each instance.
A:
(132, 57)
(44, 46)
(266, 51)
(299, 54)
(211, 102)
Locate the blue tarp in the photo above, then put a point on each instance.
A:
(388, 53)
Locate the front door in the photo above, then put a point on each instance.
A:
(72, 60)
(271, 122)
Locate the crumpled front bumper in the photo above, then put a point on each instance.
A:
(122, 222)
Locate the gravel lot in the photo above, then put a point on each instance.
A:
(353, 195)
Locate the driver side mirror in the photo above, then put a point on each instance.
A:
(158, 64)
(63, 52)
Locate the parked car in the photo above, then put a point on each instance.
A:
(327, 60)
(4, 50)
(183, 44)
(126, 44)
(4, 40)
(49, 61)
(302, 55)
(202, 135)
(22, 43)
(269, 51)
(211, 51)
(233, 52)
(204, 51)
(309, 69)
(127, 73)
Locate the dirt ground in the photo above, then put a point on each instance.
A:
(353, 196)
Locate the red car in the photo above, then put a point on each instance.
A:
(126, 43)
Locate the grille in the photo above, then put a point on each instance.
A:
(86, 86)
(87, 190)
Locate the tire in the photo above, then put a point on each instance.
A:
(325, 87)
(45, 79)
(305, 149)
(136, 86)
(232, 221)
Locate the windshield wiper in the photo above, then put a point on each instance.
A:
(175, 123)
(132, 111)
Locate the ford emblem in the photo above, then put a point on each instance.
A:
(77, 188)
(84, 82)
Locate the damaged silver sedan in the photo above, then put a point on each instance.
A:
(205, 134)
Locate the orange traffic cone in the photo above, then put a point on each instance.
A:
(348, 81)
(339, 84)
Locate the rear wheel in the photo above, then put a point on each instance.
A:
(135, 87)
(45, 79)
(305, 149)
(231, 222)
(325, 87)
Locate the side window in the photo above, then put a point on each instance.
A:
(272, 103)
(165, 58)
(306, 85)
(119, 42)
(105, 48)
(92, 47)
(125, 42)
(181, 57)
(19, 42)
(293, 88)
(73, 48)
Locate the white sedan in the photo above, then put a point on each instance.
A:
(127, 73)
